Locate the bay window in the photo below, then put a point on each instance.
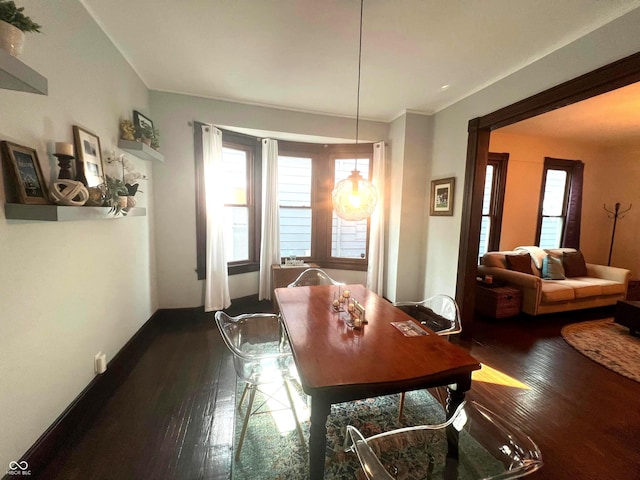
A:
(309, 229)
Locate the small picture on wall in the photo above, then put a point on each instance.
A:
(89, 157)
(141, 122)
(26, 174)
(442, 192)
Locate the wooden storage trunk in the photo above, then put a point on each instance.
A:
(498, 302)
(633, 290)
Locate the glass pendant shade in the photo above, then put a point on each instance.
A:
(354, 198)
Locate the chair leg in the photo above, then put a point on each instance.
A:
(247, 414)
(295, 415)
(244, 394)
(401, 408)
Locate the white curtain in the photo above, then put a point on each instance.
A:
(375, 269)
(270, 246)
(217, 281)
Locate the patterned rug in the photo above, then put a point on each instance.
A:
(607, 343)
(272, 449)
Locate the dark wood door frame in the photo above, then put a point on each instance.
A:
(605, 79)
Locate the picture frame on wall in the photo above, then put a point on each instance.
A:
(26, 174)
(88, 157)
(140, 121)
(442, 192)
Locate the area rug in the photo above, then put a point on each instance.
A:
(272, 449)
(607, 343)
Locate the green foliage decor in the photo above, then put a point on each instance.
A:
(13, 15)
(115, 188)
(152, 134)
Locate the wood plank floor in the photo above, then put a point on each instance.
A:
(172, 418)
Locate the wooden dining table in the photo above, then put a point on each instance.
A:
(337, 363)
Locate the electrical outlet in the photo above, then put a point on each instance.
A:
(100, 362)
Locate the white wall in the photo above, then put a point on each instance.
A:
(174, 181)
(396, 173)
(613, 41)
(413, 216)
(68, 289)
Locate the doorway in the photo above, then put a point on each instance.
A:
(610, 77)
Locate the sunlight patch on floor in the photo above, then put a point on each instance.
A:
(278, 404)
(488, 374)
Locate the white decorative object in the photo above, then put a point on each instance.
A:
(11, 39)
(64, 192)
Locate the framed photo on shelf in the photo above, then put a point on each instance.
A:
(88, 157)
(140, 121)
(26, 174)
(442, 192)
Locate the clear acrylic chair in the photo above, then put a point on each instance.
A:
(261, 356)
(473, 444)
(439, 313)
(313, 276)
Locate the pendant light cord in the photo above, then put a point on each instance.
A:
(359, 68)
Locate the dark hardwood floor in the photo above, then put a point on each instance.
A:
(172, 417)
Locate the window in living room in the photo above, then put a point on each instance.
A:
(560, 204)
(493, 202)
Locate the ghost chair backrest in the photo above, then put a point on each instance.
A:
(473, 444)
(312, 277)
(439, 313)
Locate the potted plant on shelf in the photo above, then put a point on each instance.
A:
(13, 25)
(117, 195)
(121, 191)
(150, 136)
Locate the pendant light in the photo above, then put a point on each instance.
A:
(355, 198)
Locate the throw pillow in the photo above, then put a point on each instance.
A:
(552, 268)
(573, 263)
(519, 263)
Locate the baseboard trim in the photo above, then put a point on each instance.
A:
(85, 407)
(88, 403)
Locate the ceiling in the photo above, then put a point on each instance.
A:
(417, 55)
(609, 120)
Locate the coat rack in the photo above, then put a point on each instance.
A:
(615, 214)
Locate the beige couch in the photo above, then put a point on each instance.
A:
(602, 286)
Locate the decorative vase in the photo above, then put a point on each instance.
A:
(146, 141)
(131, 202)
(96, 198)
(11, 39)
(122, 201)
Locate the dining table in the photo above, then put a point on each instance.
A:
(389, 353)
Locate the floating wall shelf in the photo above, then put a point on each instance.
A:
(57, 213)
(15, 75)
(140, 150)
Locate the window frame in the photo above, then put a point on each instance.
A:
(500, 163)
(555, 164)
(323, 158)
(253, 147)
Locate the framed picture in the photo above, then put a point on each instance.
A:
(88, 157)
(140, 121)
(26, 173)
(442, 196)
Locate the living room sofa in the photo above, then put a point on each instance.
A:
(596, 286)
